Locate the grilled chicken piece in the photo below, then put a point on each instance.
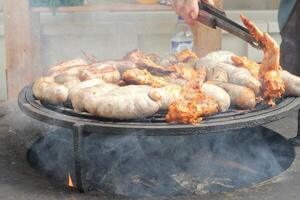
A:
(219, 94)
(191, 111)
(183, 71)
(168, 95)
(105, 71)
(242, 97)
(143, 77)
(173, 80)
(144, 62)
(273, 85)
(186, 56)
(194, 103)
(46, 89)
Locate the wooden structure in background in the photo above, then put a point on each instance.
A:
(22, 45)
(23, 37)
(207, 39)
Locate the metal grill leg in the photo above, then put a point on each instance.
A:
(78, 142)
(296, 140)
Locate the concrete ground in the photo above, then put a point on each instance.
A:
(19, 181)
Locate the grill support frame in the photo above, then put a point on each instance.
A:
(78, 135)
(295, 141)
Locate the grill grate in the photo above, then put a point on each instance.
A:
(156, 118)
(156, 124)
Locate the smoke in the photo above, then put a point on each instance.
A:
(141, 166)
(23, 130)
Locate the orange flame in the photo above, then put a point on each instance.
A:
(70, 182)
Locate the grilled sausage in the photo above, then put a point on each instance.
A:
(217, 74)
(240, 96)
(46, 89)
(84, 84)
(165, 96)
(126, 106)
(131, 89)
(68, 81)
(210, 63)
(243, 77)
(219, 94)
(220, 56)
(81, 100)
(236, 75)
(291, 82)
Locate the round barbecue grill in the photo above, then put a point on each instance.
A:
(155, 125)
(83, 124)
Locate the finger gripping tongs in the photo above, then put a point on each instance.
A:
(215, 17)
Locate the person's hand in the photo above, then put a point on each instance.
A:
(188, 9)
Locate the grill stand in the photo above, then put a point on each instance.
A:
(295, 141)
(78, 137)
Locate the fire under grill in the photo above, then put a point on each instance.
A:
(242, 128)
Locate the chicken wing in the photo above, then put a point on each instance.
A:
(144, 62)
(273, 85)
(143, 77)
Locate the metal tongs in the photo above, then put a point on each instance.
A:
(217, 18)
